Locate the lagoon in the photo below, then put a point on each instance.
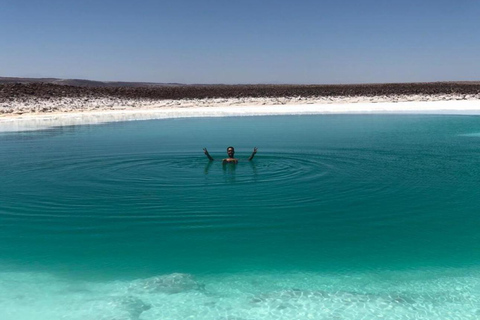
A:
(338, 216)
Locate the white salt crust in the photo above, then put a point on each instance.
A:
(73, 112)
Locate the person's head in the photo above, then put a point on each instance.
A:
(230, 152)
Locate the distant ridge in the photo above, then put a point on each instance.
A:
(85, 83)
(125, 84)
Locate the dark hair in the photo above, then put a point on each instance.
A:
(231, 148)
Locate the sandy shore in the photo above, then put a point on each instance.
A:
(69, 111)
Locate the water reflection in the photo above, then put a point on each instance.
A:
(229, 171)
(208, 166)
(254, 170)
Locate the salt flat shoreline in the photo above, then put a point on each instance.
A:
(53, 112)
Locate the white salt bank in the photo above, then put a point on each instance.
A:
(39, 121)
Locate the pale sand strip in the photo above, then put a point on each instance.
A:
(227, 108)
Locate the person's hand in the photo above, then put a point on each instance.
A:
(255, 150)
(205, 150)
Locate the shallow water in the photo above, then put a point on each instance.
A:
(337, 217)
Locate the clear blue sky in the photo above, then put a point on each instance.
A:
(257, 41)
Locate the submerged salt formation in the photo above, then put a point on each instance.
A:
(172, 283)
(406, 296)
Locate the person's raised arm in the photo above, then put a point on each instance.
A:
(253, 154)
(207, 154)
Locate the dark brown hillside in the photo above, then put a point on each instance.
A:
(10, 91)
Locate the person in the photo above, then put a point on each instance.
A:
(231, 155)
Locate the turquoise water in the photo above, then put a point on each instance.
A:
(337, 217)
